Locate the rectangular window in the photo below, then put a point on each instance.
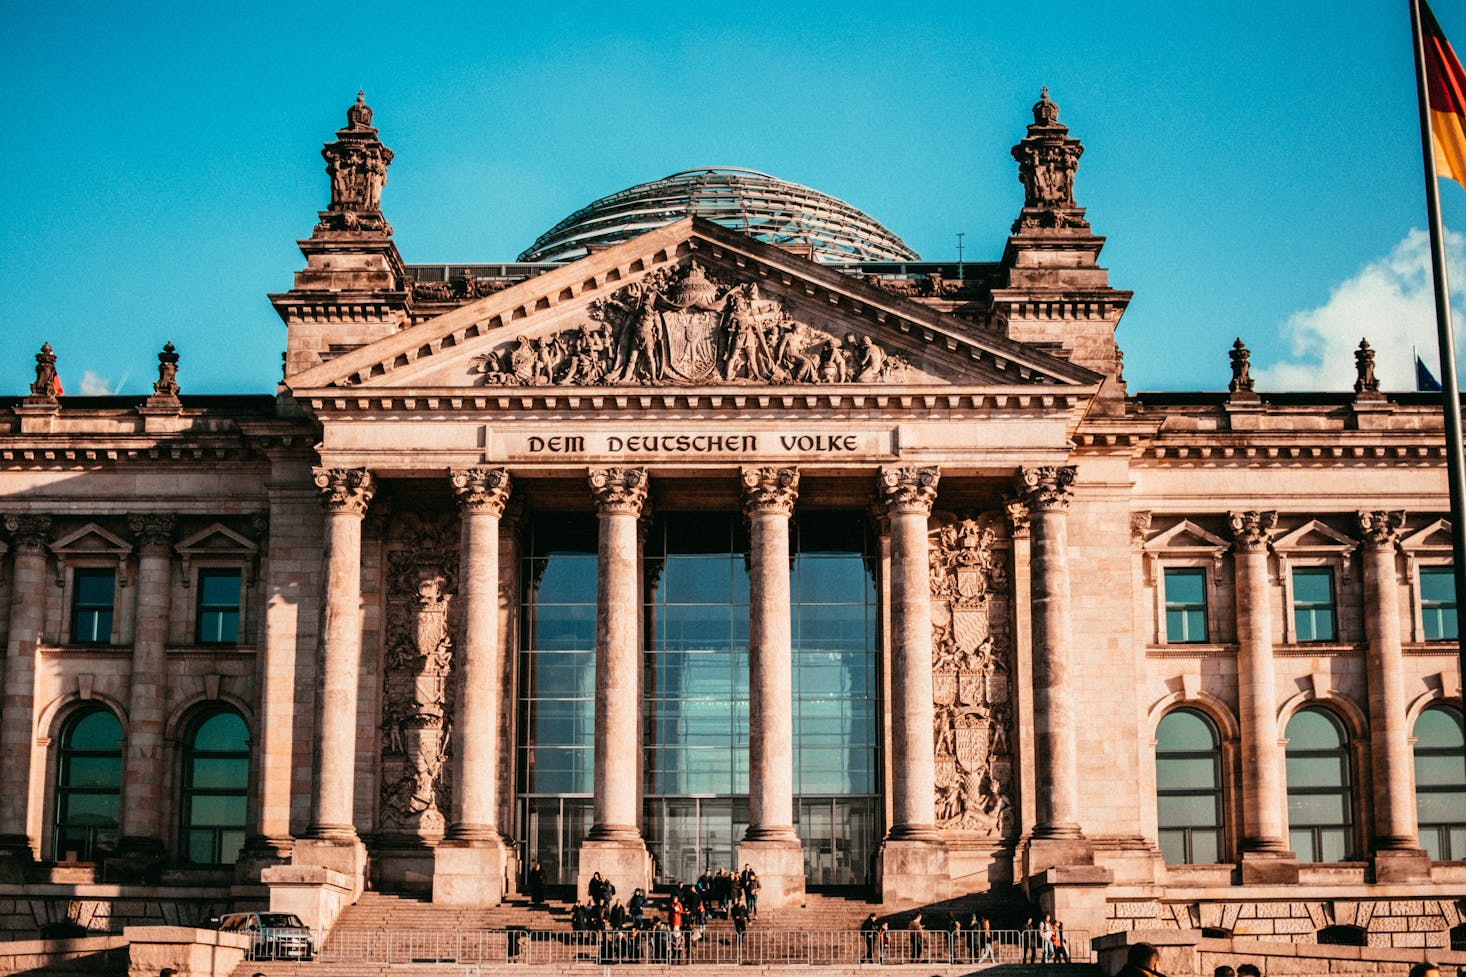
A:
(218, 612)
(1185, 605)
(92, 598)
(1313, 604)
(1438, 603)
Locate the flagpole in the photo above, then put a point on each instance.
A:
(1450, 387)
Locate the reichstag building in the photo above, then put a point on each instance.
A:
(719, 528)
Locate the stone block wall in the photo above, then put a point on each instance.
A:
(1387, 923)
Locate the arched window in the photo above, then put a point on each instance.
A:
(1440, 782)
(88, 785)
(1188, 762)
(1320, 799)
(215, 789)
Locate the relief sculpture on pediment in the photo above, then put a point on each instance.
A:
(680, 326)
(421, 579)
(971, 646)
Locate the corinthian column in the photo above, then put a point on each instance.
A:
(345, 493)
(29, 535)
(1047, 491)
(771, 845)
(615, 847)
(142, 782)
(1265, 854)
(469, 864)
(1397, 853)
(913, 857)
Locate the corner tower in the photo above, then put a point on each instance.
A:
(352, 290)
(1053, 293)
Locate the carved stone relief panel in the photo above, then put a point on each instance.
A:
(681, 326)
(972, 640)
(421, 627)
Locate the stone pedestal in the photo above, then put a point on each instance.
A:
(1041, 854)
(1269, 868)
(1393, 866)
(626, 863)
(1075, 896)
(469, 873)
(913, 871)
(315, 892)
(780, 867)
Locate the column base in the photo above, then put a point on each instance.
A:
(137, 860)
(779, 863)
(913, 871)
(345, 856)
(1042, 853)
(1269, 868)
(313, 892)
(625, 862)
(469, 873)
(1395, 865)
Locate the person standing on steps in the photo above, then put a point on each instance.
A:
(537, 885)
(870, 930)
(1046, 938)
(918, 938)
(1029, 939)
(1061, 949)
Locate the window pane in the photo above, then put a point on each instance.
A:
(1333, 845)
(1184, 730)
(218, 626)
(1187, 809)
(1316, 772)
(1442, 807)
(1185, 587)
(211, 809)
(1306, 809)
(97, 730)
(1173, 847)
(222, 732)
(94, 588)
(1313, 729)
(1438, 585)
(91, 771)
(1205, 847)
(1196, 773)
(1313, 587)
(221, 774)
(1438, 728)
(1438, 769)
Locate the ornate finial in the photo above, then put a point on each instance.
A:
(166, 389)
(357, 165)
(1241, 371)
(48, 385)
(1047, 160)
(1366, 384)
(1045, 113)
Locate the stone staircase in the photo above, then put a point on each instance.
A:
(409, 917)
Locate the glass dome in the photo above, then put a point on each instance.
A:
(766, 208)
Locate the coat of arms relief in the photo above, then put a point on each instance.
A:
(421, 580)
(681, 326)
(971, 648)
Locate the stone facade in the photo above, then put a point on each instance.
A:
(376, 521)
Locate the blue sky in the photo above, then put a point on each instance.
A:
(1255, 167)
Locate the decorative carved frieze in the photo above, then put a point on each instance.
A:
(481, 489)
(678, 326)
(1381, 528)
(28, 530)
(345, 489)
(463, 288)
(908, 488)
(152, 530)
(421, 580)
(1046, 488)
(1252, 531)
(770, 489)
(971, 648)
(619, 490)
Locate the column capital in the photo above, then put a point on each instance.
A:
(1252, 532)
(619, 490)
(152, 529)
(1381, 527)
(345, 489)
(28, 529)
(1046, 488)
(1018, 518)
(481, 489)
(908, 488)
(770, 489)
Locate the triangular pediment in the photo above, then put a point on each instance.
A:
(1435, 537)
(692, 305)
(91, 539)
(1187, 537)
(1315, 537)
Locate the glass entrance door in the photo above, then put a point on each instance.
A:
(839, 837)
(688, 834)
(554, 827)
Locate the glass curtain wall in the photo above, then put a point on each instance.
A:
(836, 730)
(557, 669)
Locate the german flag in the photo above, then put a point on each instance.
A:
(1445, 85)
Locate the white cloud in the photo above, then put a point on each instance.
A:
(95, 385)
(1390, 302)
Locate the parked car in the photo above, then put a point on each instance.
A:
(274, 936)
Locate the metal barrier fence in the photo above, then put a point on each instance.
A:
(694, 946)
